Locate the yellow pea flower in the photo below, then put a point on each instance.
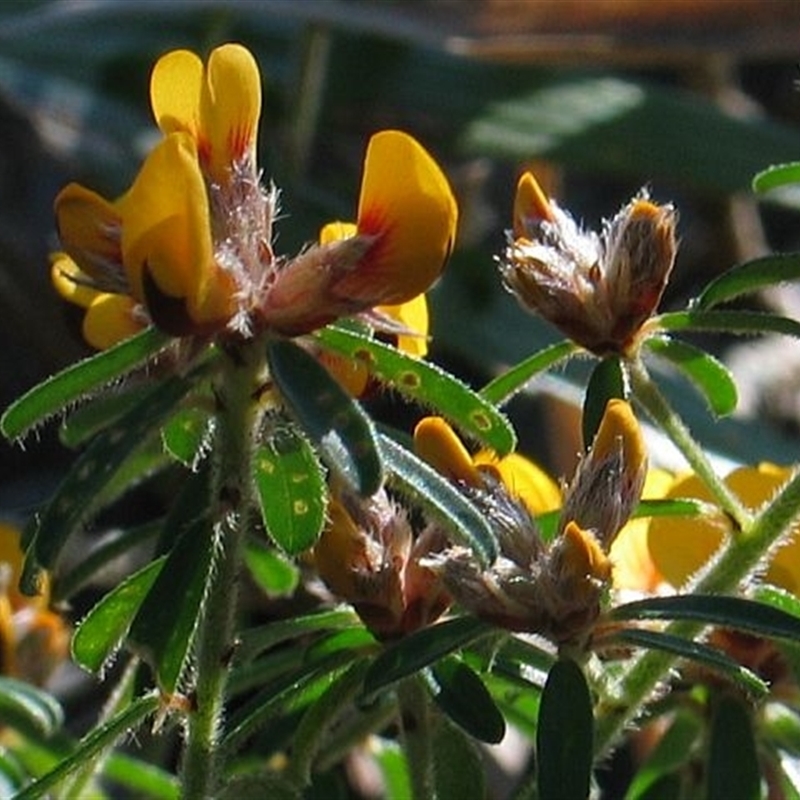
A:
(679, 548)
(189, 246)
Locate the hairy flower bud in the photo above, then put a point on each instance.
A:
(597, 288)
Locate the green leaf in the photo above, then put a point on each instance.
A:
(100, 739)
(274, 574)
(564, 734)
(186, 434)
(97, 413)
(141, 778)
(421, 649)
(606, 382)
(462, 695)
(393, 766)
(102, 630)
(458, 769)
(710, 657)
(256, 640)
(730, 612)
(777, 176)
(30, 709)
(292, 491)
(335, 423)
(420, 380)
(502, 388)
(77, 496)
(709, 376)
(118, 542)
(733, 322)
(56, 393)
(164, 626)
(747, 278)
(674, 507)
(422, 484)
(669, 755)
(733, 768)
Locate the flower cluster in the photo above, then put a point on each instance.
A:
(189, 246)
(551, 588)
(597, 289)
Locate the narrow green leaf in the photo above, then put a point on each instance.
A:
(164, 626)
(779, 598)
(77, 380)
(413, 477)
(276, 575)
(77, 496)
(669, 755)
(458, 769)
(97, 413)
(393, 766)
(710, 657)
(606, 382)
(564, 735)
(462, 695)
(730, 612)
(261, 783)
(102, 630)
(749, 277)
(733, 768)
(186, 434)
(733, 322)
(674, 507)
(335, 423)
(109, 548)
(777, 176)
(100, 739)
(426, 383)
(256, 640)
(291, 490)
(421, 649)
(28, 708)
(141, 778)
(709, 376)
(502, 388)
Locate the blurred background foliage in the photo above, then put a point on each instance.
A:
(600, 98)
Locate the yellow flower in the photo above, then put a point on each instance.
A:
(598, 289)
(33, 639)
(679, 548)
(189, 246)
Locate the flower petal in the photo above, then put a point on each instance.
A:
(437, 443)
(407, 204)
(110, 319)
(412, 315)
(167, 233)
(89, 230)
(524, 480)
(175, 86)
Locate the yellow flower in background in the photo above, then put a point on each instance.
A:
(679, 548)
(189, 246)
(33, 639)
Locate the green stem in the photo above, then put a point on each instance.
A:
(236, 421)
(742, 556)
(416, 727)
(662, 413)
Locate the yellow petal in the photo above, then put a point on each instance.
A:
(530, 202)
(89, 230)
(619, 426)
(110, 319)
(340, 552)
(68, 279)
(407, 204)
(437, 443)
(167, 232)
(412, 315)
(524, 480)
(175, 86)
(336, 231)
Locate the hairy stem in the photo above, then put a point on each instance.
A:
(416, 727)
(236, 420)
(659, 409)
(741, 557)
